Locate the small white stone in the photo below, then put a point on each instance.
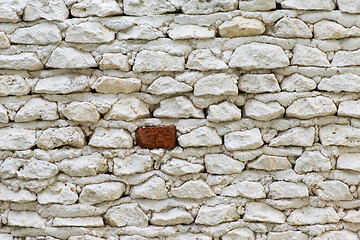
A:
(154, 188)
(153, 61)
(313, 215)
(352, 216)
(43, 33)
(309, 56)
(178, 167)
(340, 135)
(178, 107)
(342, 234)
(56, 137)
(140, 32)
(52, 10)
(78, 222)
(194, 189)
(309, 5)
(3, 114)
(97, 193)
(261, 212)
(4, 40)
(204, 60)
(187, 236)
(222, 164)
(83, 166)
(81, 112)
(239, 233)
(22, 61)
(216, 84)
(223, 112)
(259, 56)
(329, 30)
(208, 7)
(133, 164)
(288, 235)
(174, 216)
(111, 138)
(311, 161)
(258, 83)
(147, 7)
(241, 27)
(8, 14)
(200, 137)
(270, 163)
(263, 111)
(179, 32)
(298, 83)
(62, 193)
(168, 85)
(66, 57)
(346, 58)
(20, 196)
(37, 108)
(100, 8)
(297, 136)
(16, 139)
(214, 215)
(349, 6)
(280, 190)
(62, 84)
(243, 140)
(106, 84)
(89, 32)
(128, 109)
(347, 82)
(246, 189)
(291, 28)
(333, 191)
(25, 219)
(306, 108)
(128, 214)
(257, 5)
(115, 61)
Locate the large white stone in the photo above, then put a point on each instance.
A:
(179, 167)
(288, 235)
(195, 189)
(53, 10)
(178, 107)
(246, 189)
(8, 14)
(352, 216)
(309, 5)
(340, 135)
(259, 56)
(101, 192)
(222, 164)
(153, 188)
(270, 163)
(305, 108)
(280, 190)
(297, 136)
(188, 236)
(83, 166)
(5, 236)
(168, 85)
(100, 8)
(13, 85)
(258, 83)
(241, 27)
(349, 6)
(263, 111)
(128, 214)
(257, 5)
(239, 234)
(200, 137)
(204, 60)
(25, 219)
(128, 109)
(347, 82)
(243, 140)
(62, 84)
(346, 58)
(78, 222)
(313, 215)
(223, 112)
(89, 32)
(309, 56)
(174, 216)
(37, 108)
(4, 118)
(261, 212)
(333, 191)
(16, 139)
(207, 7)
(147, 7)
(338, 235)
(81, 112)
(330, 30)
(349, 161)
(312, 161)
(116, 61)
(56, 137)
(140, 32)
(4, 40)
(43, 33)
(291, 28)
(216, 84)
(179, 32)
(132, 164)
(214, 215)
(297, 83)
(67, 57)
(151, 61)
(20, 196)
(111, 138)
(106, 84)
(61, 193)
(22, 61)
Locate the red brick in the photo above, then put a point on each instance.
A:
(156, 137)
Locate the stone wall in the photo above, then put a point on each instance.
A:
(264, 96)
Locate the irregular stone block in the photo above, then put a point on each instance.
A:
(200, 137)
(115, 61)
(81, 112)
(178, 107)
(263, 111)
(25, 219)
(241, 27)
(208, 7)
(258, 83)
(106, 84)
(312, 161)
(243, 140)
(297, 136)
(83, 166)
(133, 164)
(222, 164)
(111, 138)
(168, 85)
(190, 236)
(22, 61)
(257, 5)
(214, 215)
(156, 137)
(352, 216)
(288, 235)
(128, 109)
(309, 56)
(5, 236)
(298, 83)
(349, 161)
(174, 216)
(153, 188)
(195, 189)
(333, 191)
(313, 215)
(147, 7)
(62, 193)
(239, 233)
(37, 108)
(20, 196)
(128, 214)
(178, 167)
(43, 33)
(100, 8)
(349, 6)
(8, 14)
(52, 10)
(66, 57)
(261, 212)
(3, 114)
(259, 56)
(342, 234)
(339, 135)
(216, 84)
(291, 28)
(246, 189)
(140, 32)
(305, 108)
(16, 138)
(325, 30)
(97, 193)
(74, 210)
(223, 112)
(309, 5)
(89, 32)
(347, 82)
(280, 190)
(270, 163)
(346, 58)
(154, 61)
(78, 222)
(62, 84)
(4, 40)
(56, 137)
(179, 32)
(205, 60)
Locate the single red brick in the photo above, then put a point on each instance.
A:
(156, 137)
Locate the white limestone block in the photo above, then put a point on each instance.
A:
(178, 107)
(8, 14)
(43, 33)
(243, 140)
(4, 118)
(241, 27)
(128, 109)
(309, 56)
(143, 32)
(291, 28)
(81, 112)
(352, 216)
(5, 236)
(200, 137)
(188, 236)
(128, 214)
(52, 10)
(173, 216)
(168, 85)
(346, 58)
(305, 108)
(239, 233)
(116, 61)
(341, 234)
(288, 235)
(111, 138)
(132, 164)
(312, 161)
(349, 161)
(100, 8)
(25, 219)
(179, 167)
(325, 29)
(67, 57)
(20, 196)
(339, 135)
(246, 189)
(154, 61)
(106, 84)
(208, 7)
(61, 193)
(263, 111)
(281, 189)
(297, 136)
(216, 84)
(257, 5)
(78, 222)
(313, 215)
(180, 32)
(147, 7)
(16, 138)
(83, 166)
(89, 32)
(349, 6)
(223, 112)
(62, 84)
(218, 214)
(258, 83)
(22, 61)
(4, 40)
(333, 191)
(101, 192)
(261, 212)
(347, 82)
(309, 5)
(222, 164)
(56, 137)
(194, 189)
(298, 83)
(37, 108)
(270, 163)
(154, 188)
(204, 60)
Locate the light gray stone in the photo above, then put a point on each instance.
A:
(239, 234)
(189, 236)
(246, 189)
(8, 14)
(4, 40)
(349, 109)
(298, 83)
(258, 83)
(208, 7)
(106, 84)
(62, 84)
(81, 112)
(147, 7)
(178, 107)
(218, 214)
(259, 56)
(83, 166)
(216, 84)
(57, 137)
(325, 30)
(168, 85)
(200, 137)
(333, 191)
(61, 193)
(261, 212)
(243, 140)
(309, 56)
(222, 164)
(111, 138)
(223, 112)
(288, 235)
(116, 61)
(338, 235)
(346, 58)
(349, 6)
(179, 32)
(25, 219)
(97, 193)
(89, 32)
(297, 136)
(178, 167)
(270, 163)
(279, 190)
(43, 33)
(5, 236)
(16, 138)
(78, 222)
(151, 61)
(291, 28)
(67, 57)
(128, 214)
(3, 114)
(347, 82)
(100, 8)
(349, 161)
(257, 5)
(140, 32)
(352, 216)
(339, 135)
(20, 196)
(305, 108)
(194, 189)
(312, 161)
(37, 108)
(263, 111)
(313, 215)
(52, 10)
(154, 188)
(173, 216)
(22, 61)
(309, 5)
(204, 60)
(241, 27)
(132, 164)
(128, 109)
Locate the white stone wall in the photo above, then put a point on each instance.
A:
(264, 96)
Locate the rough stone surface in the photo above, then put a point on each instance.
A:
(54, 10)
(291, 28)
(37, 108)
(56, 137)
(193, 189)
(214, 215)
(43, 33)
(241, 27)
(258, 83)
(346, 58)
(306, 108)
(216, 84)
(222, 164)
(333, 191)
(178, 107)
(312, 161)
(168, 85)
(100, 8)
(97, 193)
(128, 109)
(25, 219)
(241, 140)
(132, 164)
(280, 190)
(201, 7)
(90, 165)
(179, 32)
(111, 138)
(147, 7)
(298, 83)
(200, 137)
(340, 135)
(27, 61)
(62, 84)
(114, 61)
(153, 188)
(115, 85)
(178, 167)
(65, 57)
(298, 136)
(313, 215)
(204, 60)
(270, 163)
(349, 161)
(59, 193)
(89, 32)
(309, 56)
(223, 112)
(149, 61)
(263, 111)
(252, 190)
(156, 137)
(261, 212)
(345, 82)
(128, 214)
(309, 5)
(172, 217)
(81, 112)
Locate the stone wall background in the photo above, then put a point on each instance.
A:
(263, 94)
